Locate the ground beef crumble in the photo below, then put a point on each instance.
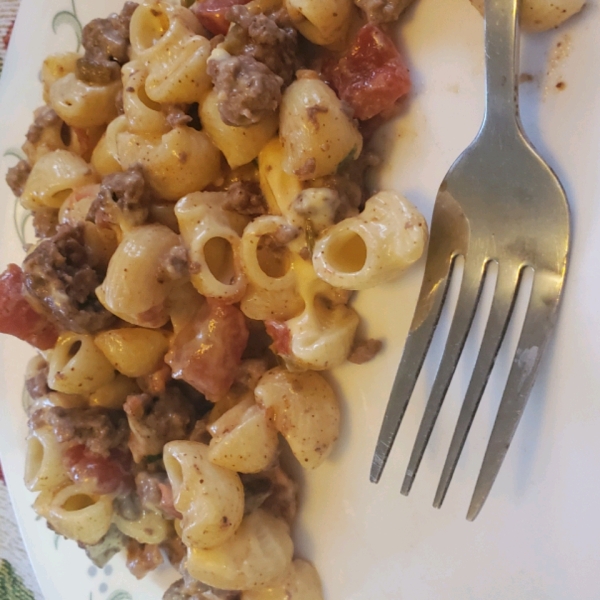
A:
(174, 265)
(270, 39)
(16, 177)
(44, 117)
(142, 558)
(272, 490)
(106, 44)
(148, 488)
(154, 421)
(36, 378)
(62, 275)
(45, 221)
(112, 543)
(176, 114)
(263, 51)
(245, 198)
(175, 551)
(155, 493)
(128, 506)
(122, 195)
(247, 90)
(364, 351)
(99, 429)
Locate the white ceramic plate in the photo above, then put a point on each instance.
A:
(538, 536)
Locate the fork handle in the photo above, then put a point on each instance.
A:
(501, 47)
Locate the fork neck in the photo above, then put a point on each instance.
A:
(501, 47)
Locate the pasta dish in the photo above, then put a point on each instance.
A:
(196, 180)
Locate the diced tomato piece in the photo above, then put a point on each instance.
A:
(208, 351)
(104, 475)
(282, 337)
(167, 502)
(17, 317)
(211, 13)
(372, 76)
(85, 191)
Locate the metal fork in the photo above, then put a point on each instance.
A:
(499, 203)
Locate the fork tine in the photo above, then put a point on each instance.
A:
(472, 282)
(539, 323)
(502, 306)
(448, 239)
(433, 292)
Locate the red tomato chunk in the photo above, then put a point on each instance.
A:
(208, 351)
(104, 475)
(17, 317)
(372, 76)
(281, 335)
(211, 14)
(167, 502)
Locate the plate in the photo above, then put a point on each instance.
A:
(538, 534)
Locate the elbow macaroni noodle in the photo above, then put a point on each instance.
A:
(258, 552)
(80, 104)
(301, 582)
(366, 250)
(210, 497)
(178, 162)
(244, 439)
(240, 145)
(133, 288)
(305, 411)
(54, 176)
(144, 116)
(165, 37)
(212, 237)
(150, 528)
(316, 133)
(251, 241)
(75, 513)
(44, 468)
(322, 22)
(77, 366)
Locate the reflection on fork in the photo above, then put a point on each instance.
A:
(499, 203)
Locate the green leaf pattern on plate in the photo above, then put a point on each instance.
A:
(21, 216)
(15, 153)
(120, 595)
(69, 17)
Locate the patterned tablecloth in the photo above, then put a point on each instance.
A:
(17, 581)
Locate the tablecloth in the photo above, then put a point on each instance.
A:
(17, 581)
